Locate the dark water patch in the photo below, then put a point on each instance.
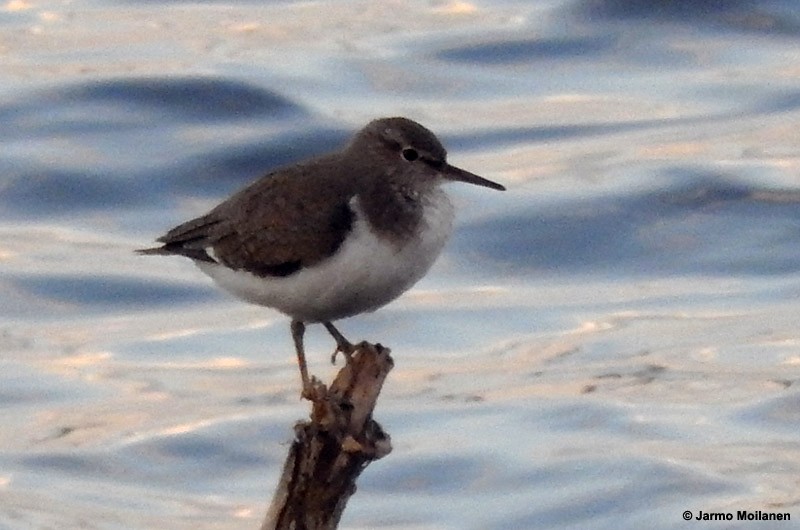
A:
(672, 9)
(72, 464)
(441, 475)
(214, 450)
(777, 103)
(108, 292)
(509, 136)
(187, 98)
(201, 460)
(222, 171)
(778, 17)
(780, 413)
(125, 103)
(36, 191)
(125, 135)
(47, 193)
(528, 50)
(204, 2)
(16, 389)
(600, 492)
(705, 224)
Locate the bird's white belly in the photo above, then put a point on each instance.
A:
(366, 272)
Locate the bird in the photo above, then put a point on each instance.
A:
(333, 236)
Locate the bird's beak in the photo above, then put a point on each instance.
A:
(453, 173)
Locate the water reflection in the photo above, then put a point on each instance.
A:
(609, 343)
(524, 51)
(698, 223)
(772, 17)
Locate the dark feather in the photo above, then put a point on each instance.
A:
(279, 224)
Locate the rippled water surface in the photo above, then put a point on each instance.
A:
(611, 342)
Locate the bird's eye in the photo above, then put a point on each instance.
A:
(410, 154)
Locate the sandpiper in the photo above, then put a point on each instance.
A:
(334, 236)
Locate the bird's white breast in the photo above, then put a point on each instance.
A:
(365, 273)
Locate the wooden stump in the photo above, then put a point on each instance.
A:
(332, 449)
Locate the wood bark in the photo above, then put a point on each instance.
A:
(332, 449)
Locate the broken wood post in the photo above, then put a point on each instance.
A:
(332, 449)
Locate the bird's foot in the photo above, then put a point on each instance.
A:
(346, 348)
(342, 344)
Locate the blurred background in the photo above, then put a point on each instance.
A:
(611, 342)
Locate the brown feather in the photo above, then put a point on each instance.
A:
(274, 226)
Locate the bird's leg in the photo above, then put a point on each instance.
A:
(342, 344)
(298, 329)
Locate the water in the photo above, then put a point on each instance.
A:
(611, 342)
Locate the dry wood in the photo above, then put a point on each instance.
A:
(332, 449)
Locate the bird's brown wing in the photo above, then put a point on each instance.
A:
(290, 219)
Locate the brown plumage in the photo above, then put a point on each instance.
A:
(273, 227)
